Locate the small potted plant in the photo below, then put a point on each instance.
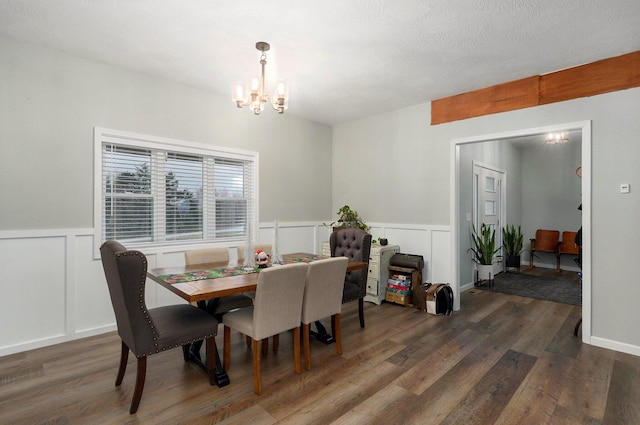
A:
(484, 250)
(512, 241)
(348, 218)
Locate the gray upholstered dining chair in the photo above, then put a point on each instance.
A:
(218, 306)
(323, 298)
(206, 255)
(354, 244)
(277, 308)
(147, 331)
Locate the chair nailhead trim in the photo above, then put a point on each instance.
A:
(181, 344)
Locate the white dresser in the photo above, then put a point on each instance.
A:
(379, 271)
(379, 257)
(326, 249)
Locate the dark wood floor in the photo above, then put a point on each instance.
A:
(500, 360)
(553, 273)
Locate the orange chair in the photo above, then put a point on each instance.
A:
(545, 241)
(568, 246)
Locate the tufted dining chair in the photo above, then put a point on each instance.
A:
(146, 331)
(323, 298)
(277, 308)
(218, 306)
(354, 244)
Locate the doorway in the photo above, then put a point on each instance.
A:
(488, 203)
(461, 182)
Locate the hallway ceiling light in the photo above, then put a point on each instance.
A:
(555, 138)
(255, 94)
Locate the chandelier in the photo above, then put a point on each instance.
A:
(556, 138)
(255, 94)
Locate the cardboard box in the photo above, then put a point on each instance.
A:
(396, 298)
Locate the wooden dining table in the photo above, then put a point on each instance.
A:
(201, 282)
(193, 287)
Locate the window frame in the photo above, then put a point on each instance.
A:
(172, 146)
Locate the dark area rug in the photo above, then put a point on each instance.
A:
(540, 287)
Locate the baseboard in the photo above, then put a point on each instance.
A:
(45, 342)
(563, 267)
(615, 345)
(466, 287)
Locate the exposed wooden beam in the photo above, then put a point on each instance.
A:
(490, 100)
(607, 75)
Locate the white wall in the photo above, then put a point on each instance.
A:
(403, 169)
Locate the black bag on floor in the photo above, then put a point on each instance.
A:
(439, 298)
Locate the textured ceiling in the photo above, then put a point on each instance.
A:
(344, 59)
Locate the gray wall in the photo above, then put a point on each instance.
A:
(392, 168)
(50, 102)
(551, 193)
(402, 174)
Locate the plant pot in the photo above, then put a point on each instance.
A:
(485, 272)
(513, 261)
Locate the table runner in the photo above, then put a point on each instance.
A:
(229, 271)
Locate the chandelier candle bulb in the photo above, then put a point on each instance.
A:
(239, 96)
(255, 85)
(282, 89)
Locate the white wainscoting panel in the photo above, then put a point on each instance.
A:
(33, 300)
(54, 289)
(440, 255)
(432, 242)
(92, 303)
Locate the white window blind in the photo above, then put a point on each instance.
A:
(157, 192)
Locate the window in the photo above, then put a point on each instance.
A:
(157, 192)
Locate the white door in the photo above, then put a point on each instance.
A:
(488, 203)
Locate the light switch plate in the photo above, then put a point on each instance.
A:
(625, 188)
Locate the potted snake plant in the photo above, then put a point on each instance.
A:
(483, 248)
(512, 242)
